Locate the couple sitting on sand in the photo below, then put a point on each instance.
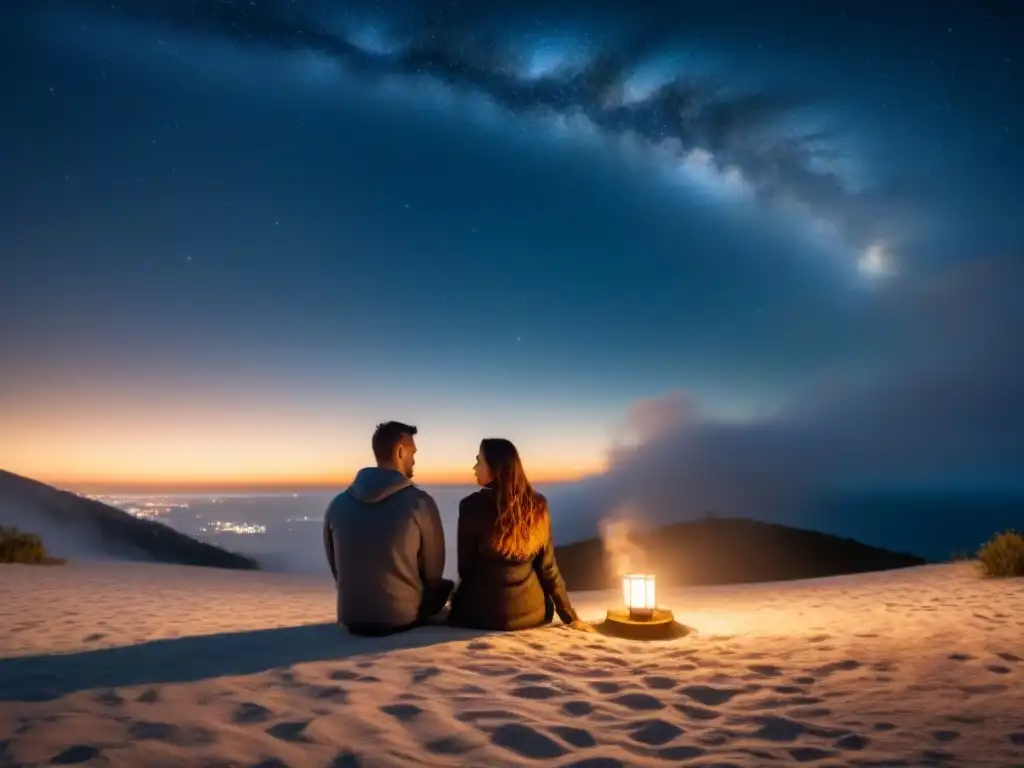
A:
(385, 546)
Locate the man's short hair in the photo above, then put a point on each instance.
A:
(387, 436)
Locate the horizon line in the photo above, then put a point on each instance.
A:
(106, 486)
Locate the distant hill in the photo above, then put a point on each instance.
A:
(726, 551)
(71, 526)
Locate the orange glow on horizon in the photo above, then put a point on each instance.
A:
(255, 483)
(164, 439)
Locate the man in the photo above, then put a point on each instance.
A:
(385, 543)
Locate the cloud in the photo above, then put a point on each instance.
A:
(948, 411)
(759, 144)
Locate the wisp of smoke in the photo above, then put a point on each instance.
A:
(949, 414)
(623, 555)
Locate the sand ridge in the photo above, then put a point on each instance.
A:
(127, 665)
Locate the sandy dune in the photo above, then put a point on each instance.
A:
(148, 665)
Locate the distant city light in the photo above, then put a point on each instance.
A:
(226, 526)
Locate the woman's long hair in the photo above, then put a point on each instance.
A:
(523, 521)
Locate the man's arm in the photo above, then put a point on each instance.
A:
(431, 543)
(329, 546)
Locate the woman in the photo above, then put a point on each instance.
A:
(507, 569)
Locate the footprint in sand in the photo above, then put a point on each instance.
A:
(766, 670)
(149, 696)
(449, 745)
(346, 759)
(536, 692)
(402, 712)
(782, 729)
(1017, 739)
(638, 702)
(852, 742)
(527, 742)
(249, 712)
(577, 708)
(425, 673)
(697, 713)
(681, 753)
(998, 669)
(1010, 657)
(93, 638)
(715, 738)
(960, 657)
(847, 665)
(654, 732)
(807, 754)
(334, 693)
(576, 737)
(80, 753)
(344, 674)
(945, 736)
(293, 731)
(659, 682)
(110, 699)
(270, 762)
(709, 696)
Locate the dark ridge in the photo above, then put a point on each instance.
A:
(727, 551)
(35, 507)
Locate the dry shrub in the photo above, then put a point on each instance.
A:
(1002, 556)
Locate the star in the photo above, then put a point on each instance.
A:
(873, 261)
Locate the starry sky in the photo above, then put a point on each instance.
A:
(236, 234)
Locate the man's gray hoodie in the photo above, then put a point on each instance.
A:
(385, 546)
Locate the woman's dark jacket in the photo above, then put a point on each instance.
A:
(494, 591)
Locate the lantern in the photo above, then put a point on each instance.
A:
(638, 593)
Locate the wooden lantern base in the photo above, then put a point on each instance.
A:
(661, 625)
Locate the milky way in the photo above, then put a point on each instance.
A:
(690, 123)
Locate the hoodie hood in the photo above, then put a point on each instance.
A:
(374, 484)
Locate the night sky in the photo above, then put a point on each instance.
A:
(728, 239)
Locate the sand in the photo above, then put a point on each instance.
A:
(150, 665)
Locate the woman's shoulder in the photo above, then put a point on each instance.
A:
(478, 499)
